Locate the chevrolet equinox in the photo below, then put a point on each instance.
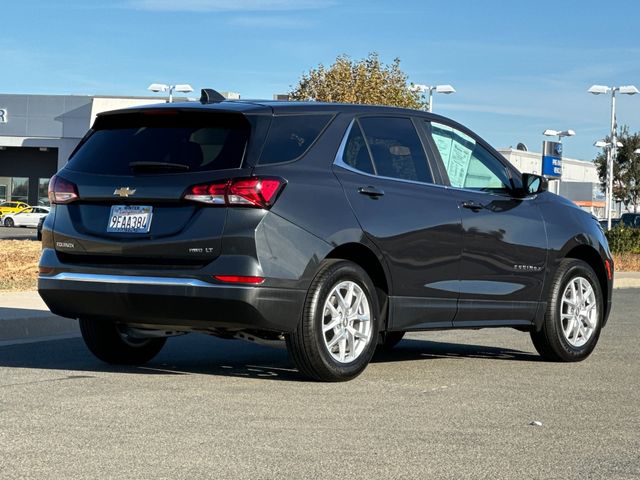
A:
(335, 228)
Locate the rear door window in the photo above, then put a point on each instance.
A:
(163, 141)
(396, 148)
(290, 136)
(355, 153)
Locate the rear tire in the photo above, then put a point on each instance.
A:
(107, 342)
(8, 222)
(337, 334)
(575, 310)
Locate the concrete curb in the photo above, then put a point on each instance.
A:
(24, 317)
(626, 280)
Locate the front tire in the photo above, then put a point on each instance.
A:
(111, 344)
(575, 310)
(338, 331)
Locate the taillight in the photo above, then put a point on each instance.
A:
(214, 193)
(257, 192)
(61, 190)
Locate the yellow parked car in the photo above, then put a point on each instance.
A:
(12, 207)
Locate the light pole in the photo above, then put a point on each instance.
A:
(609, 147)
(446, 89)
(162, 87)
(613, 143)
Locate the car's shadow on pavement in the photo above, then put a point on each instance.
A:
(203, 355)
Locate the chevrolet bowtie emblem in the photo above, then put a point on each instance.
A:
(124, 191)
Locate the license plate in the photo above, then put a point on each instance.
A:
(129, 219)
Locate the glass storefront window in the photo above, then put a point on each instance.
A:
(20, 189)
(43, 192)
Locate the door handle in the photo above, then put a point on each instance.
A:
(371, 191)
(473, 206)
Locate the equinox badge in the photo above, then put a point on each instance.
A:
(124, 191)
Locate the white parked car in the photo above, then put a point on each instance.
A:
(29, 217)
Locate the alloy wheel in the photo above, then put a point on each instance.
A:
(579, 312)
(346, 322)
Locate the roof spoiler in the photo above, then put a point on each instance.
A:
(209, 95)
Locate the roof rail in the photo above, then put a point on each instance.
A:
(209, 95)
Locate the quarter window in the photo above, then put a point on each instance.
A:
(468, 164)
(290, 136)
(396, 148)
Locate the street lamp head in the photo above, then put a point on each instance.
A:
(446, 89)
(158, 87)
(637, 151)
(183, 88)
(598, 89)
(629, 90)
(559, 133)
(601, 144)
(619, 144)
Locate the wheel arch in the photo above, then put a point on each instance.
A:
(371, 263)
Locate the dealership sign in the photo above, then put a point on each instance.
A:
(3, 115)
(551, 159)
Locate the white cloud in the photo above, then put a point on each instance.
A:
(228, 5)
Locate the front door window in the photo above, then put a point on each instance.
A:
(468, 164)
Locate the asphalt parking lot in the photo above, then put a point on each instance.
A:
(443, 405)
(17, 233)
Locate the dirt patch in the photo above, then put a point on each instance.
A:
(627, 262)
(19, 264)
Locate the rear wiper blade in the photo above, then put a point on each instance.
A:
(159, 166)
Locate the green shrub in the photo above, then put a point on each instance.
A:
(624, 239)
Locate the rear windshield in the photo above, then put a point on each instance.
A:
(290, 136)
(163, 141)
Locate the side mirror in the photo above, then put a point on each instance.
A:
(532, 183)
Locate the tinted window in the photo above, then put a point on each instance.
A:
(355, 153)
(162, 142)
(20, 189)
(396, 148)
(290, 136)
(468, 164)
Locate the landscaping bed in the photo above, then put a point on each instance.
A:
(19, 264)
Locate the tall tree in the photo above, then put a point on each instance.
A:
(626, 169)
(358, 81)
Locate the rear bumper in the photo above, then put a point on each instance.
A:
(164, 302)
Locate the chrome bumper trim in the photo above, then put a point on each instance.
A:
(130, 279)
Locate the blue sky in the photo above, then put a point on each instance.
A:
(519, 67)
